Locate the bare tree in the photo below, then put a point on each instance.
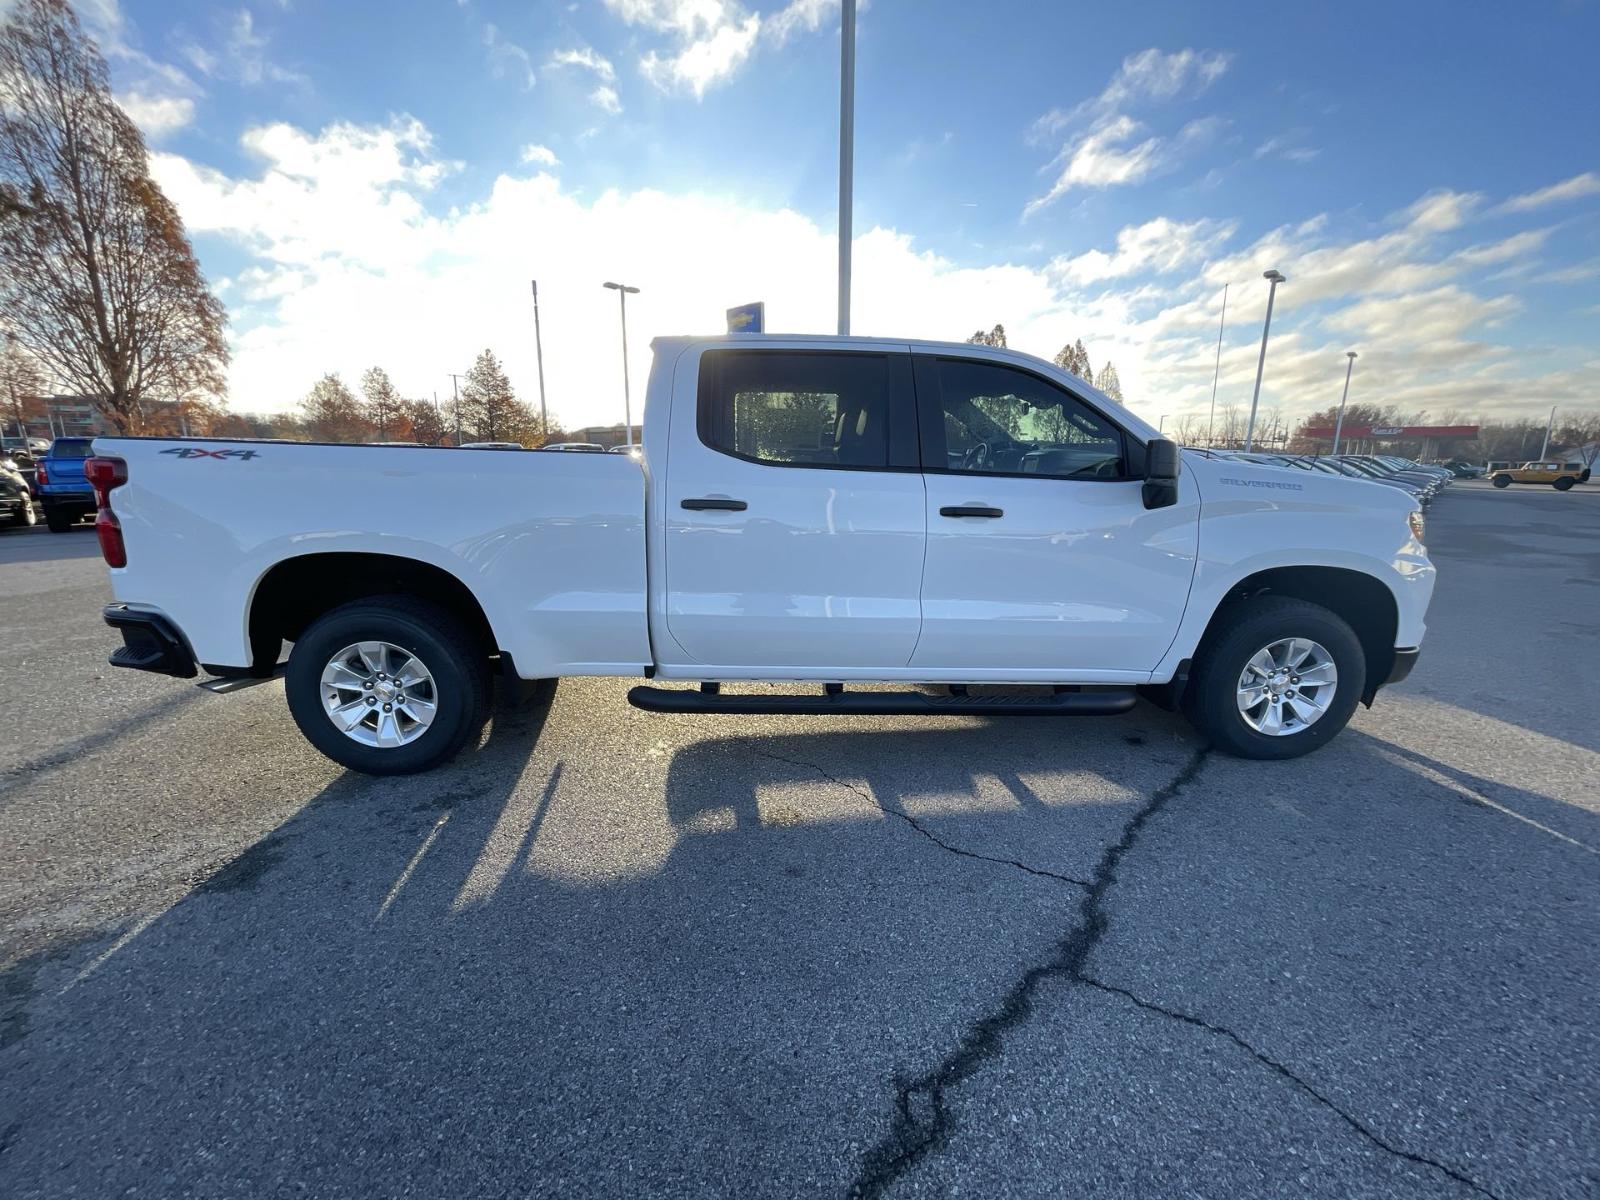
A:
(20, 383)
(96, 273)
(1108, 381)
(995, 337)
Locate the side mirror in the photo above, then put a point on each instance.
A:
(1163, 461)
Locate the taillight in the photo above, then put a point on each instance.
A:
(104, 474)
(39, 477)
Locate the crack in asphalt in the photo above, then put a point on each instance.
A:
(918, 825)
(913, 1134)
(911, 1137)
(1273, 1064)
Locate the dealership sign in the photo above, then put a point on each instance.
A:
(1393, 431)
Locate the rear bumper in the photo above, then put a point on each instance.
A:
(67, 499)
(150, 643)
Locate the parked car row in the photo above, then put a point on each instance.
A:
(1421, 482)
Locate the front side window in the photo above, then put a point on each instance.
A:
(796, 409)
(1002, 421)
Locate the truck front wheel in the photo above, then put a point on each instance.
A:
(388, 686)
(1563, 484)
(1275, 678)
(1501, 481)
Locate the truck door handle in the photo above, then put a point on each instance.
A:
(971, 510)
(715, 504)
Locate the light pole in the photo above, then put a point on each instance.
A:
(623, 292)
(455, 389)
(1549, 425)
(1217, 370)
(847, 145)
(538, 346)
(1338, 426)
(1276, 277)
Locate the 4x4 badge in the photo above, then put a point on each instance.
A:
(200, 452)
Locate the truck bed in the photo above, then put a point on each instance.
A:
(553, 545)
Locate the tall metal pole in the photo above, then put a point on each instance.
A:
(627, 400)
(1551, 424)
(1217, 370)
(1338, 426)
(1261, 363)
(538, 345)
(456, 389)
(847, 146)
(623, 290)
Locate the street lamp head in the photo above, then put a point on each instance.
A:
(1350, 354)
(622, 287)
(1274, 275)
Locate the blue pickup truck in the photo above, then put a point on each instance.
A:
(61, 485)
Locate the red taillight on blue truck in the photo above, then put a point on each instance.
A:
(104, 474)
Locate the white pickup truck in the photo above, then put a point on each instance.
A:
(816, 511)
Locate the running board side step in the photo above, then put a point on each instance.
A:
(1093, 702)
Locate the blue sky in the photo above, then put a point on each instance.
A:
(377, 183)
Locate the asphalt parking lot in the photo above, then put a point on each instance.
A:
(610, 952)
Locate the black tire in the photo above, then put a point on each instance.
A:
(1584, 476)
(26, 516)
(1239, 631)
(460, 668)
(1501, 481)
(60, 520)
(1564, 484)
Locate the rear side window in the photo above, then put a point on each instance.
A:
(796, 409)
(70, 448)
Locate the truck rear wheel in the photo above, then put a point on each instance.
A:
(1563, 484)
(60, 520)
(388, 686)
(1275, 678)
(1501, 481)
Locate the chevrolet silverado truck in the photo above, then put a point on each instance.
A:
(817, 512)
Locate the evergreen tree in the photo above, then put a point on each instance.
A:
(332, 412)
(382, 401)
(490, 408)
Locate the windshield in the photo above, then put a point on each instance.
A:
(70, 448)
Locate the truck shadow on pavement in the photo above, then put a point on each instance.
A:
(513, 978)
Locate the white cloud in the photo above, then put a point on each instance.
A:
(709, 41)
(801, 16)
(538, 155)
(1286, 146)
(586, 57)
(157, 116)
(1097, 152)
(1159, 246)
(241, 56)
(508, 58)
(704, 62)
(352, 264)
(604, 96)
(1587, 184)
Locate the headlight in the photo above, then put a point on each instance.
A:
(1415, 517)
